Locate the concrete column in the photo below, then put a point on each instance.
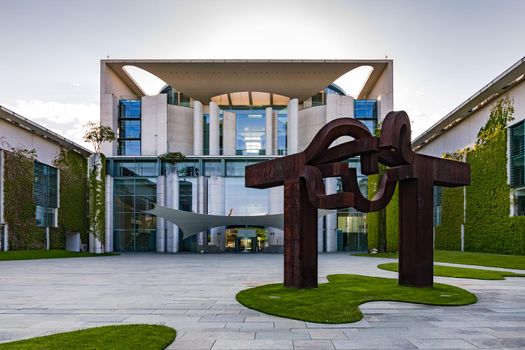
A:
(6, 237)
(202, 205)
(269, 131)
(275, 206)
(161, 224)
(2, 221)
(320, 230)
(229, 131)
(48, 242)
(293, 126)
(197, 128)
(217, 204)
(172, 201)
(214, 129)
(109, 214)
(331, 219)
(339, 107)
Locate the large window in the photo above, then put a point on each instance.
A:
(517, 155)
(251, 132)
(245, 201)
(45, 194)
(366, 112)
(129, 127)
(282, 130)
(134, 229)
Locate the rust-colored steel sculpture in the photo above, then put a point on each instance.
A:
(302, 175)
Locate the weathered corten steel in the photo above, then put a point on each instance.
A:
(302, 175)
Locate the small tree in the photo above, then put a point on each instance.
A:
(172, 158)
(97, 134)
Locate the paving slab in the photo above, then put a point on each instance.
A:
(195, 293)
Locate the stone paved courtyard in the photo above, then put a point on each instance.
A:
(195, 294)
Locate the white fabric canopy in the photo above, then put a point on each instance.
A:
(192, 223)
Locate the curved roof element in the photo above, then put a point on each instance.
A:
(204, 79)
(193, 223)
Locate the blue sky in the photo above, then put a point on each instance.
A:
(443, 50)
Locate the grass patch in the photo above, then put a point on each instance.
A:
(467, 258)
(459, 272)
(45, 254)
(338, 301)
(144, 337)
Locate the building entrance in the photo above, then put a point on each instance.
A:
(246, 240)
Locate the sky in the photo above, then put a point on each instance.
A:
(443, 51)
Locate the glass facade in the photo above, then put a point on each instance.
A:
(282, 132)
(244, 201)
(129, 127)
(366, 112)
(45, 194)
(251, 132)
(437, 205)
(134, 192)
(517, 155)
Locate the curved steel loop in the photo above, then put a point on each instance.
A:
(382, 197)
(395, 140)
(317, 193)
(331, 132)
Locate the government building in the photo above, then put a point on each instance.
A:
(223, 115)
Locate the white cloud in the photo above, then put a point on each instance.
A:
(66, 119)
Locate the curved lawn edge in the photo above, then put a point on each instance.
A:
(459, 272)
(133, 336)
(338, 300)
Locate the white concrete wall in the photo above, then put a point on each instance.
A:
(197, 128)
(465, 133)
(214, 129)
(154, 118)
(229, 130)
(180, 129)
(331, 219)
(269, 131)
(293, 126)
(311, 120)
(112, 89)
(383, 91)
(15, 136)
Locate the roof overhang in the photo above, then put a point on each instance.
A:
(500, 85)
(37, 129)
(204, 79)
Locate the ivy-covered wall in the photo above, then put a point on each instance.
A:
(448, 234)
(72, 214)
(382, 225)
(19, 205)
(488, 226)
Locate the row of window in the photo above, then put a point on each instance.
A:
(129, 123)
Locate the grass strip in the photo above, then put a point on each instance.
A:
(459, 272)
(46, 254)
(338, 301)
(137, 336)
(468, 258)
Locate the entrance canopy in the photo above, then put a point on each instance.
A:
(193, 223)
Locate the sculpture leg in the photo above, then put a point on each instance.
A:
(416, 248)
(300, 237)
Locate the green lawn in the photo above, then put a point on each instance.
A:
(45, 254)
(338, 301)
(467, 258)
(143, 337)
(460, 272)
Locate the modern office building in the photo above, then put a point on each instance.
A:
(224, 115)
(31, 206)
